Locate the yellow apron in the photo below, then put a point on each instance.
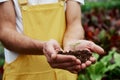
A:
(41, 22)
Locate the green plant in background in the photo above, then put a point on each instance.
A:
(106, 68)
(1, 55)
(108, 39)
(102, 26)
(1, 60)
(1, 49)
(103, 4)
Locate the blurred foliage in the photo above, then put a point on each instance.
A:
(106, 68)
(102, 26)
(1, 60)
(101, 21)
(106, 4)
(1, 55)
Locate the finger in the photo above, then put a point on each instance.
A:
(74, 69)
(54, 44)
(83, 65)
(53, 56)
(95, 48)
(63, 65)
(50, 54)
(47, 56)
(78, 61)
(68, 66)
(52, 50)
(88, 63)
(65, 58)
(93, 59)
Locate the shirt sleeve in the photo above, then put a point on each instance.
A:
(3, 0)
(80, 1)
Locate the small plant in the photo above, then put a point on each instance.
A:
(102, 68)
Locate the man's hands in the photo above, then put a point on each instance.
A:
(84, 45)
(66, 62)
(69, 62)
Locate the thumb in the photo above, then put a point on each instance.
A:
(53, 56)
(97, 49)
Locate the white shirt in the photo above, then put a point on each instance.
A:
(9, 55)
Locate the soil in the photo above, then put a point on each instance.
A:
(82, 55)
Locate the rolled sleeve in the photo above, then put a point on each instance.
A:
(80, 1)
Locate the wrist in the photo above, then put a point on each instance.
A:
(40, 45)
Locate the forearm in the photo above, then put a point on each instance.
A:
(74, 29)
(19, 43)
(9, 36)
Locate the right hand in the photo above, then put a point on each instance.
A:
(67, 62)
(84, 45)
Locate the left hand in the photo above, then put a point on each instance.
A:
(66, 62)
(84, 45)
